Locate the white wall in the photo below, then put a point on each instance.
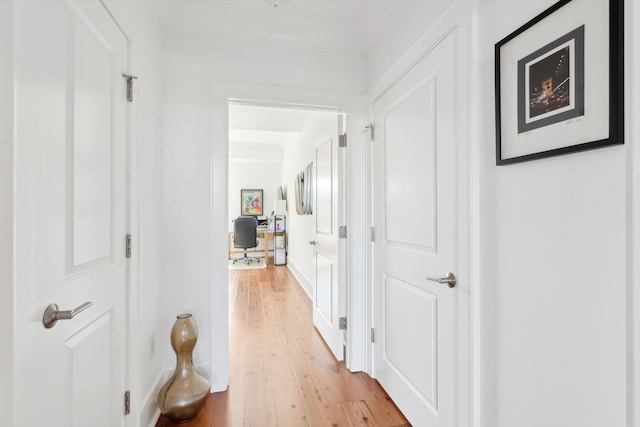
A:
(559, 283)
(256, 174)
(191, 65)
(186, 200)
(251, 62)
(551, 259)
(301, 228)
(151, 344)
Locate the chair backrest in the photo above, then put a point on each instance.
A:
(245, 232)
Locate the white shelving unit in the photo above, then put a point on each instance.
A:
(280, 240)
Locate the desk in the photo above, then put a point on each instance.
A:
(267, 235)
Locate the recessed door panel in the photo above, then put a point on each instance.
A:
(410, 345)
(324, 188)
(88, 355)
(411, 198)
(90, 138)
(324, 291)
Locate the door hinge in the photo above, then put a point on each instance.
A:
(373, 335)
(373, 234)
(370, 127)
(342, 140)
(342, 323)
(342, 232)
(127, 402)
(130, 80)
(127, 250)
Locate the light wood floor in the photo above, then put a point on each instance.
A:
(281, 372)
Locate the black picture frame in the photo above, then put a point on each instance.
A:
(547, 97)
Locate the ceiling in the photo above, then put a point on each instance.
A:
(263, 130)
(264, 133)
(348, 26)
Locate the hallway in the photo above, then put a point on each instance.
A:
(281, 372)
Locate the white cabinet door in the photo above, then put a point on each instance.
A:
(71, 212)
(328, 292)
(415, 210)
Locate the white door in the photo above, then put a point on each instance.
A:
(415, 212)
(329, 293)
(70, 214)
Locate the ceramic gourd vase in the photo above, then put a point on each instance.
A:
(184, 394)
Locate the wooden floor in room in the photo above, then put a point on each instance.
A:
(281, 372)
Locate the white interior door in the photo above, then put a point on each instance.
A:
(70, 214)
(328, 292)
(415, 210)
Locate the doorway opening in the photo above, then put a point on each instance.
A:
(224, 94)
(270, 148)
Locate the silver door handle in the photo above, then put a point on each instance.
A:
(313, 243)
(449, 279)
(52, 314)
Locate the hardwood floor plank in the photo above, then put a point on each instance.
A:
(358, 413)
(319, 407)
(281, 372)
(259, 400)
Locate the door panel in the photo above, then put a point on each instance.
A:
(415, 204)
(327, 287)
(71, 213)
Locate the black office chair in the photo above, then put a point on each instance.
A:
(245, 236)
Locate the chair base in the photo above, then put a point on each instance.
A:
(245, 259)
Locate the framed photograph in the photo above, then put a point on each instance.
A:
(251, 202)
(559, 82)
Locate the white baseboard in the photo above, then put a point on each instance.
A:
(149, 412)
(305, 283)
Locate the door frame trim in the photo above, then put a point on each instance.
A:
(461, 18)
(131, 324)
(221, 92)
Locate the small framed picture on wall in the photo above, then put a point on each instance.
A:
(251, 202)
(559, 82)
